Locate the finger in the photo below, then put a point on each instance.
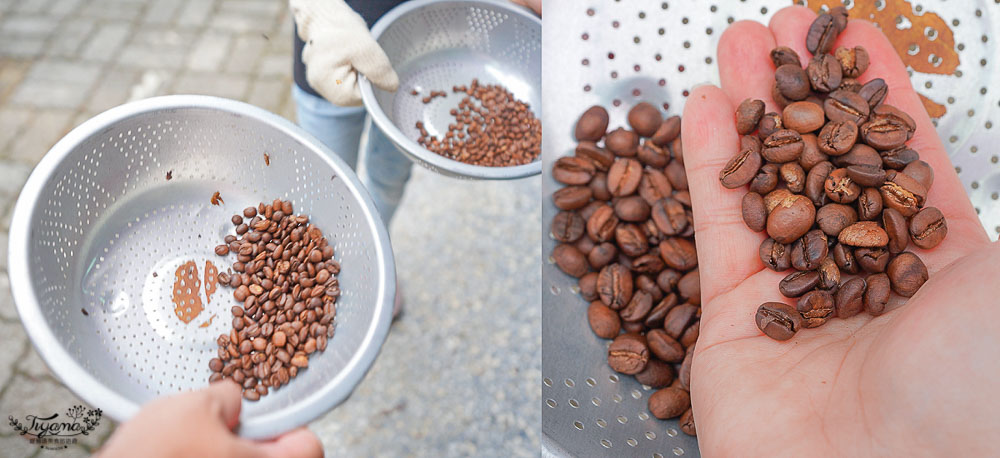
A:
(947, 192)
(375, 65)
(226, 396)
(745, 67)
(299, 443)
(727, 250)
(789, 27)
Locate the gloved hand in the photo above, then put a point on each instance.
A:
(338, 45)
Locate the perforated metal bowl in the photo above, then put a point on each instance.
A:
(439, 44)
(100, 228)
(617, 53)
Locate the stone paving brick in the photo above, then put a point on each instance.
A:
(3, 251)
(15, 445)
(113, 89)
(141, 56)
(21, 47)
(152, 83)
(276, 65)
(210, 52)
(110, 9)
(267, 8)
(56, 84)
(7, 310)
(64, 7)
(12, 120)
(106, 42)
(5, 223)
(72, 35)
(33, 365)
(241, 22)
(231, 86)
(269, 93)
(161, 11)
(28, 25)
(14, 342)
(12, 177)
(30, 7)
(245, 54)
(11, 73)
(44, 131)
(195, 12)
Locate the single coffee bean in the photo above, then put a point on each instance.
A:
(821, 35)
(592, 124)
(602, 223)
(928, 228)
(840, 187)
(632, 208)
(784, 55)
(601, 157)
(669, 403)
(570, 260)
(775, 255)
(778, 321)
(844, 257)
(769, 124)
(623, 177)
(664, 347)
(748, 114)
(628, 354)
(687, 423)
(765, 180)
(811, 155)
(872, 260)
(614, 285)
(622, 142)
(222, 250)
(866, 175)
(874, 92)
(850, 84)
(644, 118)
(884, 132)
(816, 307)
(573, 170)
(869, 204)
(602, 254)
(798, 283)
(656, 316)
(678, 253)
(791, 219)
(654, 186)
(839, 14)
(650, 263)
(571, 197)
(877, 294)
(773, 198)
(824, 73)
(669, 216)
(652, 155)
(684, 373)
(667, 132)
(631, 240)
(677, 176)
(657, 374)
(853, 61)
(250, 212)
(793, 175)
(567, 227)
(829, 273)
(898, 158)
(638, 307)
(902, 193)
(754, 212)
(832, 218)
(678, 319)
(864, 234)
(860, 154)
(850, 297)
(784, 145)
(907, 273)
(791, 82)
(603, 321)
(897, 116)
(920, 171)
(808, 251)
(837, 138)
(846, 106)
(690, 336)
(667, 279)
(588, 287)
(897, 230)
(816, 181)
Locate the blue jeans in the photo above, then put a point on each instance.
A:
(385, 171)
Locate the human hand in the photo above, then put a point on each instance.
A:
(338, 45)
(917, 380)
(200, 423)
(535, 5)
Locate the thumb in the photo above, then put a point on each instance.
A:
(227, 395)
(375, 65)
(298, 443)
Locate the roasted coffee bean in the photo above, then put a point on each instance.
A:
(571, 197)
(833, 218)
(684, 373)
(664, 347)
(667, 279)
(614, 285)
(623, 177)
(573, 170)
(592, 124)
(840, 187)
(872, 260)
(769, 124)
(844, 257)
(874, 92)
(679, 253)
(866, 175)
(588, 287)
(603, 321)
(896, 229)
(647, 284)
(877, 294)
(869, 204)
(570, 260)
(816, 181)
(928, 228)
(655, 317)
(754, 212)
(678, 319)
(690, 335)
(822, 33)
(921, 172)
(677, 176)
(222, 250)
(622, 142)
(829, 274)
(601, 255)
(816, 307)
(886, 130)
(784, 55)
(667, 132)
(846, 106)
(654, 186)
(602, 223)
(650, 263)
(657, 374)
(669, 216)
(860, 154)
(864, 234)
(778, 321)
(669, 403)
(687, 423)
(850, 297)
(902, 193)
(628, 354)
(898, 158)
(631, 240)
(791, 82)
(250, 212)
(853, 61)
(824, 73)
(748, 115)
(775, 255)
(798, 283)
(638, 307)
(837, 138)
(632, 208)
(808, 251)
(765, 180)
(784, 145)
(652, 155)
(567, 227)
(791, 218)
(644, 119)
(601, 157)
(850, 84)
(793, 175)
(811, 155)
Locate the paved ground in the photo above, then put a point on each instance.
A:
(458, 374)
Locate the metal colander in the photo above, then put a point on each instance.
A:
(439, 44)
(617, 53)
(99, 231)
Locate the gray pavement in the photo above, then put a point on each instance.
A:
(458, 374)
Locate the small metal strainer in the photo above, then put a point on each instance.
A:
(99, 231)
(438, 44)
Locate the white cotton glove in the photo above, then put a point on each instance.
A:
(338, 45)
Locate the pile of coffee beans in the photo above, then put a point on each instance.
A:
(285, 279)
(491, 128)
(834, 185)
(625, 230)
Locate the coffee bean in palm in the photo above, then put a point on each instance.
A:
(907, 273)
(784, 55)
(874, 92)
(832, 218)
(624, 177)
(921, 172)
(798, 283)
(622, 142)
(876, 295)
(837, 138)
(803, 117)
(754, 212)
(850, 84)
(684, 373)
(777, 320)
(769, 124)
(829, 274)
(866, 175)
(850, 297)
(840, 187)
(572, 197)
(645, 119)
(603, 321)
(844, 257)
(687, 423)
(791, 81)
(748, 115)
(775, 255)
(669, 216)
(928, 228)
(669, 403)
(898, 158)
(896, 229)
(667, 132)
(860, 154)
(677, 175)
(884, 132)
(573, 170)
(869, 204)
(782, 146)
(652, 155)
(628, 353)
(679, 253)
(902, 193)
(807, 252)
(816, 307)
(601, 157)
(846, 106)
(872, 260)
(853, 61)
(592, 124)
(678, 319)
(815, 183)
(570, 260)
(864, 234)
(824, 73)
(743, 167)
(822, 33)
(791, 218)
(794, 177)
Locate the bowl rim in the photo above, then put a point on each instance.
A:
(411, 147)
(118, 407)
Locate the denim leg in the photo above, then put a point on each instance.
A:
(385, 172)
(339, 128)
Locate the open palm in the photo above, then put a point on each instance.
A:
(918, 380)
